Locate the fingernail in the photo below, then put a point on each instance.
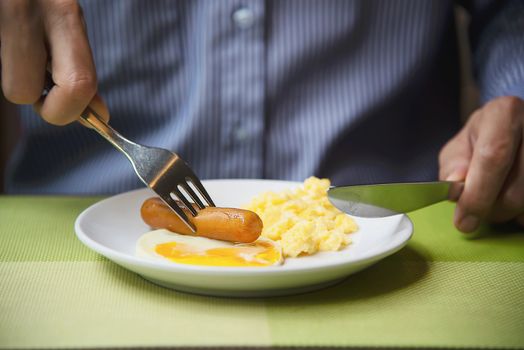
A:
(469, 223)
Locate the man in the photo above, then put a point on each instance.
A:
(357, 91)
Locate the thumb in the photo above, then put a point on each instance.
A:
(98, 105)
(454, 161)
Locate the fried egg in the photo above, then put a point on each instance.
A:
(183, 249)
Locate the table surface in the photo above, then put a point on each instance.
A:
(441, 290)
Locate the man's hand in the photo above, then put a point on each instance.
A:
(48, 33)
(488, 154)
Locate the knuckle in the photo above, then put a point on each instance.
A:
(497, 153)
(81, 84)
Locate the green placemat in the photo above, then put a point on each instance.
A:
(442, 290)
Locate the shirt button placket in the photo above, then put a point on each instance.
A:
(242, 97)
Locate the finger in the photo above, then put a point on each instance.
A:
(511, 200)
(22, 53)
(510, 203)
(72, 64)
(97, 104)
(496, 139)
(454, 159)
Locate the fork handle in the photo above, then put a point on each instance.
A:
(92, 119)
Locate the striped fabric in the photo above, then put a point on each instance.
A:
(357, 91)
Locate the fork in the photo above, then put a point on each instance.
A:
(161, 170)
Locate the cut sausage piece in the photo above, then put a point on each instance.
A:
(227, 224)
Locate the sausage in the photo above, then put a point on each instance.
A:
(227, 224)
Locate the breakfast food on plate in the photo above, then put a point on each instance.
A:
(303, 220)
(183, 249)
(296, 222)
(227, 224)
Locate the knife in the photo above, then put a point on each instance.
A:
(380, 200)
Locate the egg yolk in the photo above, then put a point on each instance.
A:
(253, 254)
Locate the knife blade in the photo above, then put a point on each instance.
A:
(380, 200)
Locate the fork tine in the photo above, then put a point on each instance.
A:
(173, 205)
(186, 202)
(193, 195)
(198, 185)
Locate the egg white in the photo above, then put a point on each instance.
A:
(146, 244)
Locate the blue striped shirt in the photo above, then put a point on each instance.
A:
(357, 91)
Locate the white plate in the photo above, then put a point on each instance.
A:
(112, 226)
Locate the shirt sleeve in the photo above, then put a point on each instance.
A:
(497, 37)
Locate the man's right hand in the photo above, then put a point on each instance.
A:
(40, 34)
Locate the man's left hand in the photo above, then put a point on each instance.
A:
(487, 154)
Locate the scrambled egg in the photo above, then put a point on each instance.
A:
(303, 220)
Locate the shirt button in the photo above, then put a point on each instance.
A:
(244, 17)
(241, 134)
